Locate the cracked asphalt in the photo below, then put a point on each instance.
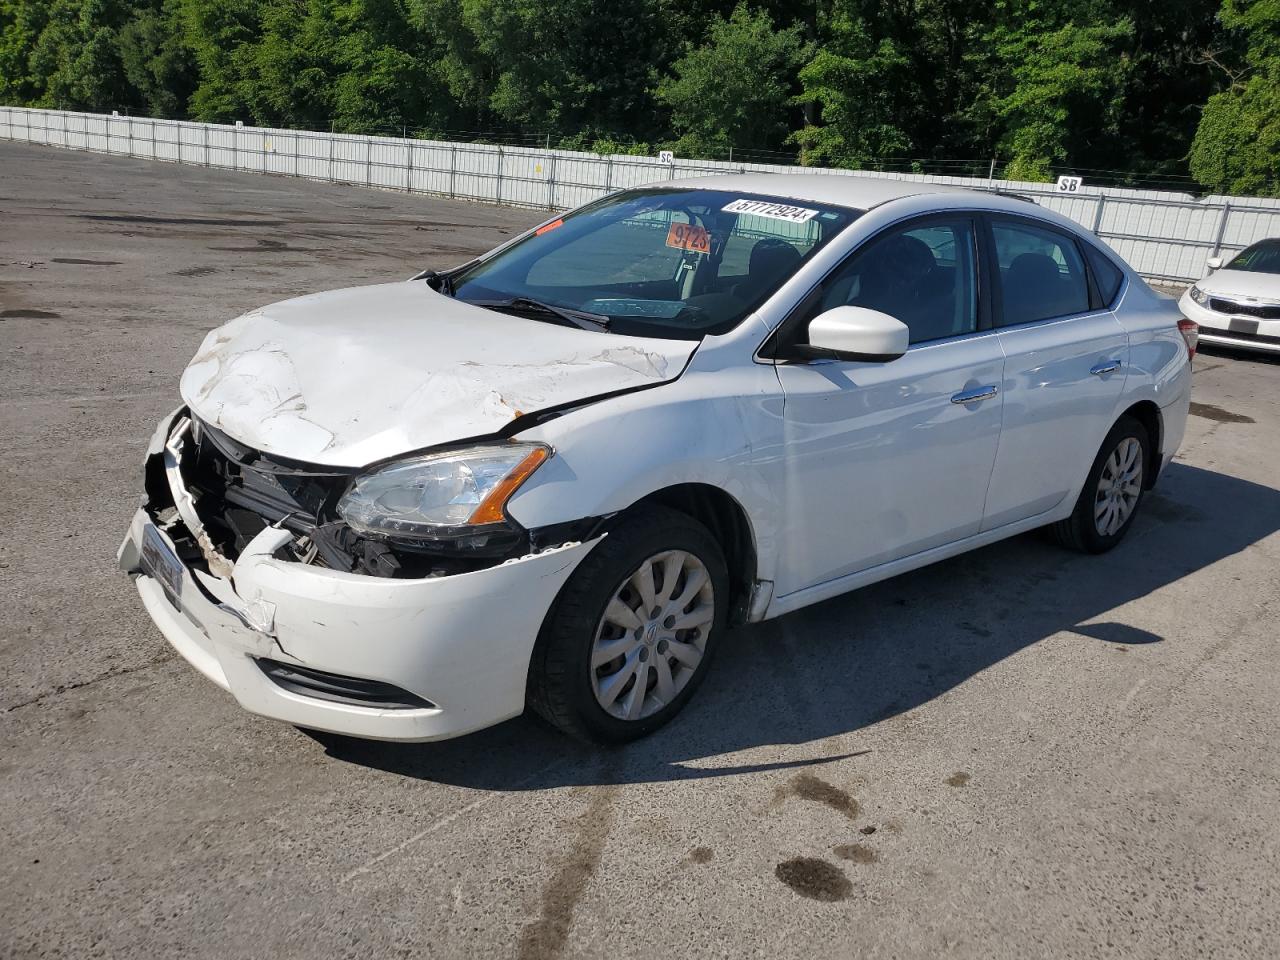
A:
(1017, 753)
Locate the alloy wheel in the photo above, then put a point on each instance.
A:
(653, 635)
(1119, 487)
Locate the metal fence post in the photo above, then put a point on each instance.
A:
(130, 126)
(154, 144)
(331, 180)
(551, 182)
(1097, 214)
(1222, 228)
(608, 174)
(453, 170)
(498, 198)
(368, 161)
(408, 165)
(205, 128)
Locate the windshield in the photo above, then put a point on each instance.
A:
(1262, 257)
(660, 263)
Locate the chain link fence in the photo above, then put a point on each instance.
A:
(1165, 236)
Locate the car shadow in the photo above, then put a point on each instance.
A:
(845, 664)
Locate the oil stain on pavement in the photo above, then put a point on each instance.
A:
(856, 852)
(1217, 414)
(814, 878)
(808, 787)
(546, 936)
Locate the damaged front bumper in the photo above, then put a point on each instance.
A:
(387, 659)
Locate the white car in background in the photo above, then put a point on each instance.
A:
(1238, 304)
(554, 476)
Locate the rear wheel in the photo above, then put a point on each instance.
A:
(1112, 493)
(633, 631)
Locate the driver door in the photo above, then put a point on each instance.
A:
(886, 460)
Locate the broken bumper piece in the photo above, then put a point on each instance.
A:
(403, 659)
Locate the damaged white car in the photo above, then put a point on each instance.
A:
(554, 476)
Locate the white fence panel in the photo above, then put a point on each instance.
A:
(1164, 235)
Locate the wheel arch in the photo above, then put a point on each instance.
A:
(721, 513)
(1148, 414)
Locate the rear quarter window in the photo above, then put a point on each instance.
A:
(1106, 274)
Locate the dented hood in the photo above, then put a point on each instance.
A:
(353, 376)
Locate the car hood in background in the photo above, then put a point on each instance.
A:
(1241, 283)
(353, 376)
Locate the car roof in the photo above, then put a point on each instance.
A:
(843, 190)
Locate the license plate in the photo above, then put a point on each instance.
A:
(160, 562)
(1241, 325)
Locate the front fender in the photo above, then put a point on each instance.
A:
(721, 428)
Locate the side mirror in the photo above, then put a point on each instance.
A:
(855, 333)
(1214, 263)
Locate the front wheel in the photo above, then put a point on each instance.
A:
(633, 631)
(1112, 493)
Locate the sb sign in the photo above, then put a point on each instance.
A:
(1070, 184)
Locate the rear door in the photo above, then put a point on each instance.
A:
(1065, 359)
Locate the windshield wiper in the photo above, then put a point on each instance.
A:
(574, 318)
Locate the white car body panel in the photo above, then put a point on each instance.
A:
(1056, 411)
(859, 479)
(350, 377)
(846, 473)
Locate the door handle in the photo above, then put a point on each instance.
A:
(976, 394)
(1105, 367)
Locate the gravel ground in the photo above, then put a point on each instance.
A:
(1017, 753)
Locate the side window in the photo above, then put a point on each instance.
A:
(1041, 273)
(923, 275)
(1105, 274)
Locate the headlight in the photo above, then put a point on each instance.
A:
(1199, 296)
(445, 494)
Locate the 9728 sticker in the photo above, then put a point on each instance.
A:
(689, 236)
(774, 211)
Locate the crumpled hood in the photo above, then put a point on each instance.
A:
(1242, 283)
(349, 377)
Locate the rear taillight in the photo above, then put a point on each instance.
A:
(1190, 331)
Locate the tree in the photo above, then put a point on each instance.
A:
(571, 65)
(737, 88)
(1237, 144)
(858, 85)
(156, 60)
(1052, 86)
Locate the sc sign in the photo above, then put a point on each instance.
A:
(667, 157)
(1070, 184)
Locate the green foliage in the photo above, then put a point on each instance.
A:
(735, 88)
(857, 84)
(1159, 87)
(1050, 82)
(1237, 145)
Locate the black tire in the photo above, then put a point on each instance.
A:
(560, 677)
(1078, 531)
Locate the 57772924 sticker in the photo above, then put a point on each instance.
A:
(771, 209)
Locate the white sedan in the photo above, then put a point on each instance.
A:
(553, 477)
(1238, 304)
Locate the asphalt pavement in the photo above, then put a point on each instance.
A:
(1018, 753)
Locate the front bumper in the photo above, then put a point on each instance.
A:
(1249, 333)
(461, 642)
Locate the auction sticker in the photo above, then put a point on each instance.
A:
(689, 236)
(774, 211)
